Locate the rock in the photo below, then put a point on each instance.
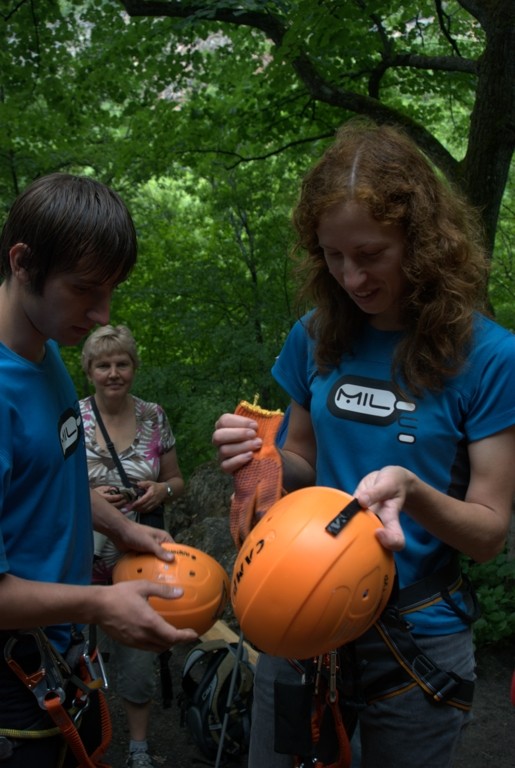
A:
(207, 495)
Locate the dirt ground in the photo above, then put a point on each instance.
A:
(489, 741)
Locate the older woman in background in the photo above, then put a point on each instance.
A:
(145, 445)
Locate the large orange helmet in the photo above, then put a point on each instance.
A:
(204, 581)
(311, 575)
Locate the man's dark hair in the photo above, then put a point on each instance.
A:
(67, 223)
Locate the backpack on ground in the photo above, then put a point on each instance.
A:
(206, 682)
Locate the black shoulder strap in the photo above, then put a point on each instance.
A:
(109, 443)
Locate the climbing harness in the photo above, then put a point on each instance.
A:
(415, 666)
(337, 694)
(65, 690)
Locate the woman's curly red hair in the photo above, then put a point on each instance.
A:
(445, 262)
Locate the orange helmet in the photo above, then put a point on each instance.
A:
(311, 575)
(204, 581)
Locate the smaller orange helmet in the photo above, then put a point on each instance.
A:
(311, 575)
(204, 581)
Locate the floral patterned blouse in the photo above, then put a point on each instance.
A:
(141, 461)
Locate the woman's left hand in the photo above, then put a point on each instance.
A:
(154, 494)
(384, 492)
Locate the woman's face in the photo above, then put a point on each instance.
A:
(364, 256)
(112, 375)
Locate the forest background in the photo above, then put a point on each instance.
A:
(205, 116)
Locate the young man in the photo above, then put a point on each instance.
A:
(67, 243)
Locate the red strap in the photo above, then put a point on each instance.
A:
(344, 757)
(63, 721)
(106, 730)
(70, 733)
(344, 751)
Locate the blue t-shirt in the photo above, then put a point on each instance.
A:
(362, 423)
(45, 510)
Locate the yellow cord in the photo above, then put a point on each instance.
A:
(255, 408)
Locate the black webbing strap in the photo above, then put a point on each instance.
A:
(166, 678)
(414, 666)
(428, 590)
(110, 445)
(441, 686)
(440, 586)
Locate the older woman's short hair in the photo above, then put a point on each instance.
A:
(109, 340)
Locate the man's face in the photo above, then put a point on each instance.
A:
(70, 306)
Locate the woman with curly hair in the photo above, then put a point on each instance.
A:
(401, 393)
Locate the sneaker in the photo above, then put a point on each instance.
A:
(140, 760)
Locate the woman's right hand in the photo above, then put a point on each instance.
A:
(112, 494)
(236, 439)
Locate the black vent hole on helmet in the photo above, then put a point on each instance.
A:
(192, 573)
(140, 570)
(366, 594)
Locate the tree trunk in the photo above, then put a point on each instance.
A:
(492, 123)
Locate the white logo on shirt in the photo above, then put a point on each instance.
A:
(371, 401)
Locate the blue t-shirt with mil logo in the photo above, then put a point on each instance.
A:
(363, 422)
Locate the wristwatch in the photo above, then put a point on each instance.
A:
(169, 491)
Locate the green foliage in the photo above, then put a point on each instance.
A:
(494, 583)
(205, 121)
(209, 299)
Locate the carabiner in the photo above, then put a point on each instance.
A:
(96, 669)
(48, 679)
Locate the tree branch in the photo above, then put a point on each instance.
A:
(444, 22)
(272, 26)
(319, 88)
(358, 103)
(479, 9)
(7, 16)
(275, 29)
(490, 145)
(250, 158)
(436, 63)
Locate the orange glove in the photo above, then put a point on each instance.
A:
(258, 484)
